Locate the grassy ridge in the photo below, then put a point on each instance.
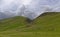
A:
(12, 23)
(46, 25)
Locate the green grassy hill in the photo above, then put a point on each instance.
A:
(46, 25)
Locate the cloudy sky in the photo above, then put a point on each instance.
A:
(29, 8)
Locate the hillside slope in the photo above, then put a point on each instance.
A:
(46, 25)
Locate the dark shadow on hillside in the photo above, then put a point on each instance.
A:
(29, 21)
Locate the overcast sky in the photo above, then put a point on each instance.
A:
(33, 7)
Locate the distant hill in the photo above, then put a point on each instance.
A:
(5, 15)
(2, 15)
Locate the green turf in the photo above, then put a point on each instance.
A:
(46, 25)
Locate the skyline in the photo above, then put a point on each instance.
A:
(29, 8)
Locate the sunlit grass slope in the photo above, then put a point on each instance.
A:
(46, 25)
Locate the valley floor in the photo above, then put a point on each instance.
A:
(29, 34)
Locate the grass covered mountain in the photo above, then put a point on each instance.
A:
(46, 25)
